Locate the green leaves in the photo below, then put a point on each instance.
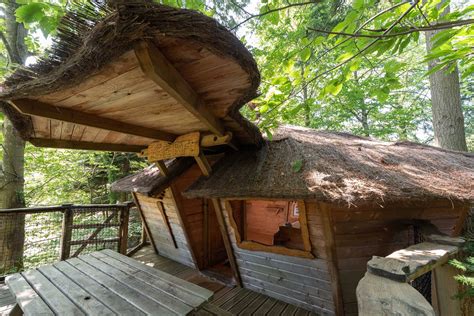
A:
(30, 13)
(44, 15)
(305, 54)
(297, 165)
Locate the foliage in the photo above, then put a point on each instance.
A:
(67, 176)
(317, 78)
(466, 268)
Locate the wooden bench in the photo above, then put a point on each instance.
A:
(103, 283)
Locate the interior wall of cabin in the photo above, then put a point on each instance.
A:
(177, 249)
(300, 281)
(360, 233)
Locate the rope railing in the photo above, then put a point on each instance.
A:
(30, 237)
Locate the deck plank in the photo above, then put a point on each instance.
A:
(111, 299)
(237, 308)
(204, 293)
(227, 296)
(167, 301)
(26, 297)
(168, 288)
(145, 303)
(7, 301)
(265, 307)
(243, 294)
(214, 310)
(74, 292)
(51, 295)
(289, 310)
(278, 308)
(254, 305)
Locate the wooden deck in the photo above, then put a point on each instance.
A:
(6, 300)
(227, 300)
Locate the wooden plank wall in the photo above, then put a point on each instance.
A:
(303, 282)
(159, 231)
(192, 213)
(361, 233)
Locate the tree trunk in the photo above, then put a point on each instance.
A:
(12, 227)
(448, 119)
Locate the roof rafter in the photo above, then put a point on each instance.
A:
(155, 65)
(38, 108)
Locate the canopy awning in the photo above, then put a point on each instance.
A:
(140, 72)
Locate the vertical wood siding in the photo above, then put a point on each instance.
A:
(361, 233)
(299, 281)
(193, 213)
(159, 232)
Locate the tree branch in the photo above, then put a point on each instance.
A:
(274, 10)
(433, 27)
(7, 46)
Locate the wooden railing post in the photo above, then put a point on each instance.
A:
(66, 232)
(123, 232)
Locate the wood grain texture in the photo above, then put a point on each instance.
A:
(41, 109)
(171, 243)
(56, 143)
(300, 281)
(155, 65)
(30, 302)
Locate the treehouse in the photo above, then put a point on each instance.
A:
(296, 218)
(302, 216)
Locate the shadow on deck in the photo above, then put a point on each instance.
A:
(227, 300)
(6, 300)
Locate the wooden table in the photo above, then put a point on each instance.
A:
(104, 283)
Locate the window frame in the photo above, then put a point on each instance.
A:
(278, 249)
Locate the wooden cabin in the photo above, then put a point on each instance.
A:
(298, 217)
(184, 230)
(305, 213)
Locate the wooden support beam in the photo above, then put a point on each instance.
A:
(227, 242)
(166, 221)
(328, 232)
(162, 167)
(71, 144)
(66, 234)
(144, 222)
(155, 65)
(203, 164)
(38, 108)
(123, 230)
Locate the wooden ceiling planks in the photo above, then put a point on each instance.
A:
(123, 64)
(157, 67)
(122, 92)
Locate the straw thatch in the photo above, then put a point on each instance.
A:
(150, 181)
(94, 34)
(340, 168)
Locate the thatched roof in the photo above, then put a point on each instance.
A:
(150, 181)
(340, 168)
(91, 68)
